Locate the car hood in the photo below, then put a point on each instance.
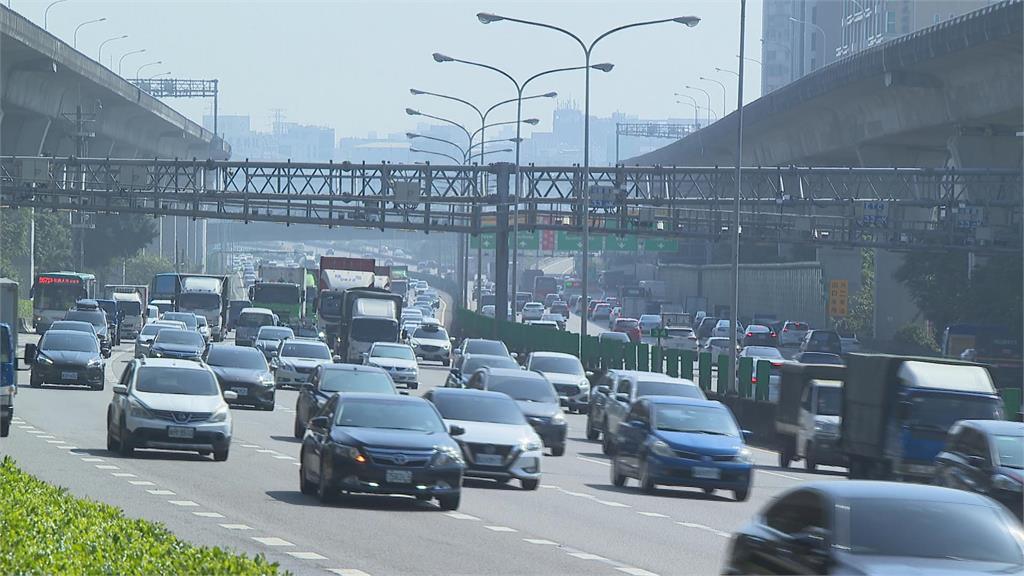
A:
(176, 348)
(559, 378)
(246, 375)
(381, 438)
(493, 433)
(268, 344)
(68, 357)
(909, 566)
(702, 443)
(428, 342)
(180, 402)
(144, 339)
(392, 363)
(542, 409)
(301, 362)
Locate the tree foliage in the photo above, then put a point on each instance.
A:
(115, 238)
(141, 268)
(861, 317)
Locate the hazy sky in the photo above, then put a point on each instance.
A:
(350, 64)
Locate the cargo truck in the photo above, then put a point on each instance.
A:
(896, 411)
(368, 315)
(338, 274)
(281, 289)
(206, 296)
(400, 280)
(808, 415)
(131, 303)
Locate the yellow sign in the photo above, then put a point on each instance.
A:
(838, 298)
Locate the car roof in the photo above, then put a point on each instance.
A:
(76, 332)
(390, 345)
(658, 399)
(352, 368)
(649, 376)
(551, 355)
(757, 328)
(513, 372)
(851, 489)
(178, 312)
(1001, 427)
(367, 396)
(172, 363)
(254, 310)
(473, 392)
(72, 322)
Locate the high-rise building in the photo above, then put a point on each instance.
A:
(797, 38)
(866, 23)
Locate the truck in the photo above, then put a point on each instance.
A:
(368, 315)
(338, 274)
(282, 289)
(400, 280)
(131, 302)
(382, 277)
(808, 415)
(896, 411)
(526, 279)
(8, 351)
(207, 296)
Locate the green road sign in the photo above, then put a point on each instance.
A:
(661, 245)
(659, 333)
(528, 240)
(488, 239)
(620, 244)
(568, 242)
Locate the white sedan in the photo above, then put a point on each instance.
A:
(398, 360)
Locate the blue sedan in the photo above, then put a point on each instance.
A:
(678, 441)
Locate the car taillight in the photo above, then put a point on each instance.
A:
(776, 364)
(785, 329)
(773, 334)
(750, 334)
(753, 379)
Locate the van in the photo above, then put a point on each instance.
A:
(129, 306)
(249, 322)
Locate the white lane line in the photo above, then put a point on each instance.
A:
(235, 526)
(297, 463)
(36, 432)
(107, 467)
(307, 556)
(540, 541)
(208, 514)
(249, 446)
(593, 461)
(634, 571)
(67, 447)
(586, 556)
(705, 528)
(283, 457)
(54, 441)
(141, 483)
(653, 514)
(24, 427)
(348, 572)
(92, 459)
(759, 471)
(265, 451)
(460, 516)
(501, 528)
(612, 504)
(160, 492)
(123, 475)
(187, 503)
(45, 437)
(273, 542)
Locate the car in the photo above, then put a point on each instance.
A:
(649, 322)
(431, 342)
(986, 457)
(66, 357)
(868, 527)
(550, 299)
(818, 358)
(558, 319)
(759, 335)
(330, 379)
(601, 312)
(498, 442)
(426, 309)
(487, 311)
(717, 345)
(113, 312)
(721, 330)
(682, 442)
(412, 314)
(169, 404)
(616, 391)
(249, 323)
(628, 326)
(381, 444)
(178, 344)
(458, 377)
(98, 319)
(297, 359)
(559, 307)
(774, 359)
(822, 341)
(398, 360)
(522, 298)
(409, 327)
(269, 338)
(203, 327)
(679, 338)
(235, 308)
(479, 346)
(620, 337)
(244, 371)
(74, 326)
(536, 398)
(532, 311)
(148, 333)
(706, 327)
(550, 324)
(849, 343)
(190, 319)
(614, 315)
(793, 333)
(566, 374)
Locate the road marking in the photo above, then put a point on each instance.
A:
(612, 504)
(501, 528)
(67, 447)
(37, 432)
(123, 475)
(297, 463)
(307, 556)
(249, 446)
(586, 556)
(235, 526)
(107, 467)
(47, 436)
(264, 451)
(653, 514)
(160, 492)
(634, 571)
(759, 471)
(141, 483)
(54, 441)
(348, 572)
(208, 514)
(92, 459)
(183, 503)
(460, 516)
(540, 541)
(24, 427)
(705, 528)
(283, 457)
(273, 542)
(593, 461)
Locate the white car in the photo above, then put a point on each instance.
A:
(498, 442)
(772, 356)
(649, 322)
(204, 327)
(679, 338)
(169, 405)
(721, 329)
(532, 311)
(487, 311)
(412, 314)
(296, 361)
(718, 345)
(566, 374)
(398, 360)
(793, 333)
(430, 341)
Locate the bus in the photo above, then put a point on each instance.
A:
(54, 293)
(544, 285)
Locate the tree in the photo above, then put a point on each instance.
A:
(140, 269)
(115, 238)
(13, 242)
(861, 317)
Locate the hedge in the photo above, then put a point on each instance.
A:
(46, 530)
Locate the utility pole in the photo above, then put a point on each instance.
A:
(81, 135)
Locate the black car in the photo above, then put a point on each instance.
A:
(760, 335)
(269, 338)
(244, 371)
(178, 344)
(536, 397)
(66, 357)
(381, 444)
(822, 341)
(330, 379)
(98, 319)
(865, 527)
(706, 327)
(987, 457)
(818, 358)
(113, 311)
(478, 346)
(458, 377)
(235, 308)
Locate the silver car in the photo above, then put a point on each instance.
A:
(297, 360)
(144, 340)
(169, 405)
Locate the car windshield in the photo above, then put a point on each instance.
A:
(188, 319)
(762, 352)
(476, 408)
(69, 342)
(823, 337)
(374, 330)
(626, 324)
(199, 301)
(174, 380)
(679, 332)
(398, 352)
(796, 325)
(558, 364)
(492, 347)
(254, 319)
(926, 529)
(348, 380)
(417, 416)
(237, 357)
(830, 400)
(695, 419)
(73, 325)
(152, 329)
(275, 334)
(130, 307)
(95, 317)
(201, 321)
(667, 389)
(474, 363)
(186, 337)
(525, 389)
(433, 333)
(939, 412)
(614, 337)
(1009, 450)
(316, 350)
(820, 358)
(5, 345)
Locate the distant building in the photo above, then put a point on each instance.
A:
(285, 141)
(866, 23)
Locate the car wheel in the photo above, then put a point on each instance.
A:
(325, 494)
(35, 382)
(784, 456)
(124, 442)
(306, 486)
(592, 433)
(449, 502)
(414, 386)
(809, 462)
(5, 428)
(220, 455)
(558, 450)
(530, 484)
(618, 478)
(607, 446)
(709, 491)
(446, 362)
(299, 430)
(741, 495)
(647, 485)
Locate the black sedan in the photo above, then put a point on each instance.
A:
(99, 322)
(330, 379)
(864, 527)
(985, 456)
(178, 345)
(244, 371)
(381, 444)
(459, 376)
(537, 399)
(66, 357)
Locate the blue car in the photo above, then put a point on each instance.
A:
(678, 441)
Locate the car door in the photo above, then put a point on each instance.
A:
(800, 512)
(600, 399)
(616, 409)
(307, 399)
(806, 422)
(118, 404)
(632, 434)
(316, 438)
(978, 459)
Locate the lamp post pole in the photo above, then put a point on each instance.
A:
(99, 52)
(138, 71)
(734, 316)
(46, 13)
(125, 55)
(706, 94)
(74, 37)
(722, 86)
(696, 118)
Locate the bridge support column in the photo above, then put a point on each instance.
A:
(501, 296)
(986, 150)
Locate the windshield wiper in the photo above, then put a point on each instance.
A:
(711, 432)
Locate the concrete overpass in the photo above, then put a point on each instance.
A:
(44, 82)
(946, 96)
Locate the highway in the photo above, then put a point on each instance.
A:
(577, 523)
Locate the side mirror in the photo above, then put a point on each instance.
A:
(622, 397)
(364, 356)
(746, 434)
(105, 353)
(515, 355)
(455, 372)
(403, 392)
(319, 423)
(230, 395)
(638, 424)
(589, 374)
(976, 461)
(120, 389)
(307, 386)
(30, 354)
(452, 340)
(336, 359)
(454, 430)
(813, 541)
(604, 389)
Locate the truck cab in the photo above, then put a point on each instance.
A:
(820, 415)
(132, 314)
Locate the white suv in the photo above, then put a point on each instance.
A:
(532, 311)
(169, 405)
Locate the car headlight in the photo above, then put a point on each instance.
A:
(349, 452)
(584, 385)
(818, 426)
(156, 354)
(529, 445)
(1004, 482)
(220, 415)
(744, 456)
(446, 457)
(137, 410)
(414, 343)
(267, 379)
(44, 360)
(558, 419)
(95, 363)
(660, 448)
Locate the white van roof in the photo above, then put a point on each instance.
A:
(965, 378)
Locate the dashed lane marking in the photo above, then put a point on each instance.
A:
(307, 556)
(123, 475)
(283, 457)
(460, 516)
(54, 441)
(67, 447)
(634, 571)
(501, 528)
(92, 459)
(159, 492)
(586, 556)
(593, 461)
(297, 463)
(187, 503)
(45, 437)
(266, 451)
(348, 572)
(769, 472)
(540, 541)
(273, 542)
(653, 514)
(705, 528)
(208, 514)
(141, 483)
(235, 527)
(107, 467)
(249, 446)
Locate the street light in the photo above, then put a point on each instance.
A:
(452, 158)
(46, 13)
(486, 18)
(706, 94)
(414, 112)
(125, 55)
(168, 73)
(696, 119)
(735, 312)
(99, 53)
(139, 69)
(414, 135)
(490, 152)
(74, 41)
(824, 37)
(724, 106)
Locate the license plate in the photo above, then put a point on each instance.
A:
(69, 375)
(712, 473)
(488, 459)
(181, 432)
(397, 476)
(241, 391)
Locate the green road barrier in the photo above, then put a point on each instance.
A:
(764, 377)
(744, 372)
(723, 374)
(672, 363)
(704, 370)
(686, 360)
(1011, 402)
(657, 360)
(643, 357)
(630, 360)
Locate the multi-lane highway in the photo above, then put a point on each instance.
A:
(576, 523)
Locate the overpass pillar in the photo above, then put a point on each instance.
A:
(986, 151)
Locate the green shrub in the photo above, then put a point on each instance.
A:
(914, 339)
(46, 530)
(25, 311)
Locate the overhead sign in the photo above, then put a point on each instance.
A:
(621, 243)
(547, 240)
(602, 196)
(488, 241)
(569, 242)
(660, 244)
(528, 240)
(838, 298)
(874, 214)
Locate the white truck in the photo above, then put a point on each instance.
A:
(205, 296)
(368, 315)
(132, 313)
